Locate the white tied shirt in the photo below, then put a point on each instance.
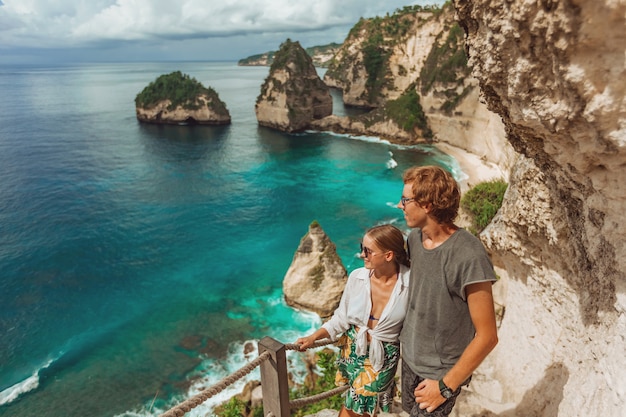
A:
(355, 307)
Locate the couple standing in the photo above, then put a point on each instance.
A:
(440, 309)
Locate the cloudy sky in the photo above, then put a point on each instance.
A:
(165, 30)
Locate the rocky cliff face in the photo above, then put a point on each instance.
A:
(208, 112)
(293, 94)
(177, 98)
(422, 55)
(316, 278)
(382, 57)
(555, 73)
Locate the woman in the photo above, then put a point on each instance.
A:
(370, 316)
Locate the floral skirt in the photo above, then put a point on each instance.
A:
(368, 389)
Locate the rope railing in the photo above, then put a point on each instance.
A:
(301, 402)
(273, 352)
(186, 406)
(319, 343)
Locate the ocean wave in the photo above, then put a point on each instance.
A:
(374, 139)
(211, 371)
(391, 163)
(29, 384)
(448, 160)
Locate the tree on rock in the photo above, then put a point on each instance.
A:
(177, 98)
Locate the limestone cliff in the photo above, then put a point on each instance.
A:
(381, 57)
(555, 73)
(293, 94)
(176, 98)
(316, 278)
(421, 86)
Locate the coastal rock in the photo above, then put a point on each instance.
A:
(293, 94)
(316, 278)
(247, 392)
(321, 56)
(176, 98)
(354, 126)
(256, 397)
(555, 73)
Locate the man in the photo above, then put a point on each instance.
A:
(450, 326)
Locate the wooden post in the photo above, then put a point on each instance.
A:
(274, 379)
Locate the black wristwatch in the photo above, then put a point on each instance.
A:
(444, 390)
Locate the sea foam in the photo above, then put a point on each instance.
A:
(211, 372)
(29, 384)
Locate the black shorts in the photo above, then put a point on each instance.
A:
(410, 381)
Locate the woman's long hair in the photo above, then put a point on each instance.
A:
(390, 238)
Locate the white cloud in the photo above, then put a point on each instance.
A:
(89, 23)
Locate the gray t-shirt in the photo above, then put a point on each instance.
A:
(438, 326)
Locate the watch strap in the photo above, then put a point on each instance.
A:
(445, 391)
(442, 385)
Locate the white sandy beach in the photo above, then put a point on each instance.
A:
(475, 168)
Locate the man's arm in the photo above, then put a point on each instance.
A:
(480, 303)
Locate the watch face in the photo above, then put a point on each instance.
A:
(447, 393)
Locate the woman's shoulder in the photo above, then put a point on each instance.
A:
(359, 274)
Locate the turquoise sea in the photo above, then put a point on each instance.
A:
(137, 260)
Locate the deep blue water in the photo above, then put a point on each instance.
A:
(135, 260)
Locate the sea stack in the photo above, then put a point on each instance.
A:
(293, 94)
(176, 98)
(316, 278)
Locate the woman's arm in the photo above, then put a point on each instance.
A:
(307, 341)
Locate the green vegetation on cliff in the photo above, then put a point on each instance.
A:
(182, 90)
(326, 361)
(377, 37)
(292, 53)
(483, 202)
(256, 59)
(407, 112)
(446, 66)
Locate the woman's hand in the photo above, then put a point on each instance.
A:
(305, 342)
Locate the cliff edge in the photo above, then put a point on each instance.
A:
(556, 75)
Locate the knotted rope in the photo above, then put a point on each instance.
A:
(186, 406)
(301, 402)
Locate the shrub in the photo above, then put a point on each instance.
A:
(446, 62)
(327, 363)
(407, 112)
(483, 202)
(236, 408)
